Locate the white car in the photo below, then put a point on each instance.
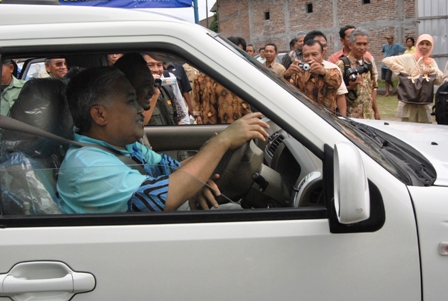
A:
(342, 211)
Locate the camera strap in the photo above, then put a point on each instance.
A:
(347, 65)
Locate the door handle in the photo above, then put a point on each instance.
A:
(14, 285)
(44, 279)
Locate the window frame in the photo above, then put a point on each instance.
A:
(65, 220)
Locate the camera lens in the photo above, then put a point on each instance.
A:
(157, 82)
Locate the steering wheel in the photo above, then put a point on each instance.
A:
(236, 169)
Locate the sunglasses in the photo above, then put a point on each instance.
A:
(60, 64)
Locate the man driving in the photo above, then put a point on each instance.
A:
(93, 179)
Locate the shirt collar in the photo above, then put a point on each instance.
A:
(86, 139)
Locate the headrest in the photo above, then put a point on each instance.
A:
(42, 104)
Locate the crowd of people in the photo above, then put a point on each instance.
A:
(347, 82)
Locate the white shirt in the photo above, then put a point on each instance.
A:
(180, 100)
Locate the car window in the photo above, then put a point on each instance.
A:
(267, 182)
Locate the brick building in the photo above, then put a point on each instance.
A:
(278, 21)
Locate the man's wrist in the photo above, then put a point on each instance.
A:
(323, 73)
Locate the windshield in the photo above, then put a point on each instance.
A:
(348, 127)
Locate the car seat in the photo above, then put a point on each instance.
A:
(30, 163)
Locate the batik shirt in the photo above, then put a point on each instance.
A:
(215, 103)
(94, 180)
(361, 107)
(319, 88)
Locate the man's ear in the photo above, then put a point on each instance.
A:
(10, 67)
(99, 115)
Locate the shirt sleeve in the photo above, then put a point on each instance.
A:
(185, 83)
(395, 64)
(445, 73)
(401, 49)
(333, 78)
(152, 193)
(438, 73)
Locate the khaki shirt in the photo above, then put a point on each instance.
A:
(10, 94)
(277, 68)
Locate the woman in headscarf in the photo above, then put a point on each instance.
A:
(414, 65)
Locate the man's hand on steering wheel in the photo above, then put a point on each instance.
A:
(206, 197)
(248, 127)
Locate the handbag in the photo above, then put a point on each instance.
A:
(416, 89)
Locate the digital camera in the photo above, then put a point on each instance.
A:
(304, 66)
(166, 81)
(352, 73)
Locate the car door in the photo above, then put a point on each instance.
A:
(284, 253)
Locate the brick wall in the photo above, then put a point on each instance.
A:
(246, 18)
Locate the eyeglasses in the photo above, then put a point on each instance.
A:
(60, 64)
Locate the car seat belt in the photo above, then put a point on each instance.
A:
(19, 126)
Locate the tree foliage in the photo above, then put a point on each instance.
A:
(214, 25)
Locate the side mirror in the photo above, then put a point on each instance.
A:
(351, 189)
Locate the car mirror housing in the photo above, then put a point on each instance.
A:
(351, 189)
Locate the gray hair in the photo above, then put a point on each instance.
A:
(358, 32)
(301, 34)
(89, 88)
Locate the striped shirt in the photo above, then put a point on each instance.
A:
(93, 180)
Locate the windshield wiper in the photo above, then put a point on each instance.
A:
(404, 156)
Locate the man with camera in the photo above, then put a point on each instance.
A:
(312, 78)
(360, 78)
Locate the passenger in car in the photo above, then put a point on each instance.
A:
(134, 67)
(113, 58)
(56, 67)
(11, 87)
(93, 179)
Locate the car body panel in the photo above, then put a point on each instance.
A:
(431, 207)
(430, 140)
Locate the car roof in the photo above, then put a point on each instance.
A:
(16, 14)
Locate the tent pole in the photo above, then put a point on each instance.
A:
(196, 13)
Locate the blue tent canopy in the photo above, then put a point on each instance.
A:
(131, 3)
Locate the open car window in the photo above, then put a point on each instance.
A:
(277, 174)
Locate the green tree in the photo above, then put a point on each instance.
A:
(214, 25)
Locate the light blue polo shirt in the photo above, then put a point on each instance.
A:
(92, 180)
(393, 50)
